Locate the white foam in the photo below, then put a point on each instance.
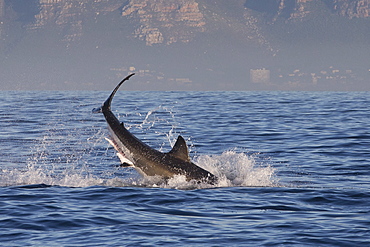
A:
(233, 169)
(51, 163)
(33, 175)
(238, 169)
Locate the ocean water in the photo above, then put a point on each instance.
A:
(294, 170)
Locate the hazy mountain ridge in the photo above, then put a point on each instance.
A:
(216, 40)
(293, 9)
(167, 21)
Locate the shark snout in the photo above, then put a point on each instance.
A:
(97, 110)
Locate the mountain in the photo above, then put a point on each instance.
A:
(185, 44)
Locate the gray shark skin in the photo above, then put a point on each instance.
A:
(147, 160)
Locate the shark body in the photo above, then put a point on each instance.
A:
(146, 160)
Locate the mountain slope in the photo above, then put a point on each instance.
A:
(183, 44)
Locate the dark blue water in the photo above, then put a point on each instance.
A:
(294, 169)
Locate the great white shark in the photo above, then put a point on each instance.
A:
(146, 160)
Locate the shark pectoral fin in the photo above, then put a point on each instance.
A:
(124, 161)
(180, 150)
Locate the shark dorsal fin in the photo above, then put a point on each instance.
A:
(180, 150)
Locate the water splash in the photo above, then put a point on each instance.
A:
(63, 158)
(238, 169)
(34, 175)
(162, 116)
(233, 169)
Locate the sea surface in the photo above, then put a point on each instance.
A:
(294, 170)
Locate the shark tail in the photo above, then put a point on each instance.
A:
(107, 103)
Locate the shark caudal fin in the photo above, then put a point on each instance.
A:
(180, 150)
(106, 105)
